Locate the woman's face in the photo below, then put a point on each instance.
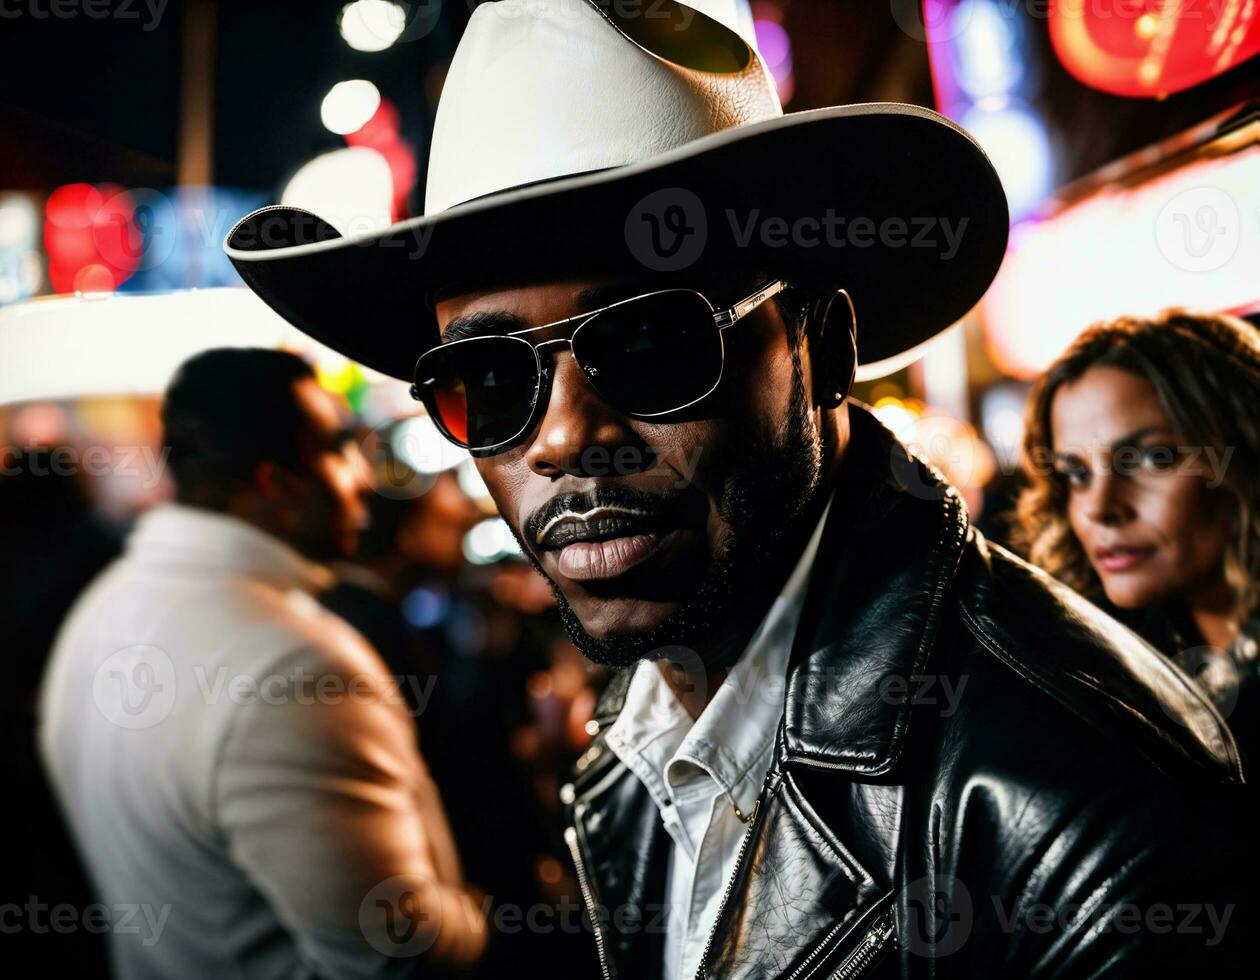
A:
(1138, 495)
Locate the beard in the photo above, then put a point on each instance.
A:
(764, 503)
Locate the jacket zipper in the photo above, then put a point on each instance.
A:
(730, 886)
(571, 838)
(868, 950)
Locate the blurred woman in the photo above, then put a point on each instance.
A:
(1142, 453)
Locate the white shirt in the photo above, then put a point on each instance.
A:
(700, 772)
(236, 764)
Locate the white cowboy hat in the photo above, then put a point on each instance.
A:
(605, 137)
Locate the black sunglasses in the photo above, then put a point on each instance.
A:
(646, 356)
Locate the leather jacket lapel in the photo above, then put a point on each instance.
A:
(864, 637)
(798, 895)
(621, 850)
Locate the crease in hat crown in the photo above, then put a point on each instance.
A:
(540, 89)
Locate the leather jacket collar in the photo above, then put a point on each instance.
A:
(903, 532)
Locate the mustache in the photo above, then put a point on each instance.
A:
(663, 508)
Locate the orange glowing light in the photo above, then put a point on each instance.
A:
(1153, 48)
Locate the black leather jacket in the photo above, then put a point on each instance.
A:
(1074, 810)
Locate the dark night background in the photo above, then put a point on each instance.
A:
(99, 99)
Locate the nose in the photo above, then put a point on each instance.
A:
(1107, 503)
(582, 435)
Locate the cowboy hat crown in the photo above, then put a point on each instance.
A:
(599, 137)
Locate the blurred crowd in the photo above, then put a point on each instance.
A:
(499, 698)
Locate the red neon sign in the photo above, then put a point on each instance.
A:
(1152, 48)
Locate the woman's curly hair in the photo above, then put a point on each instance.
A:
(1205, 368)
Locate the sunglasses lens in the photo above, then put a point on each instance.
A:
(652, 355)
(481, 390)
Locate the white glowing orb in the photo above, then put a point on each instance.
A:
(489, 541)
(349, 105)
(351, 188)
(419, 444)
(372, 25)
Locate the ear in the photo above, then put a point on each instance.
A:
(274, 482)
(832, 328)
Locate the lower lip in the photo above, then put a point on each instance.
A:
(1122, 561)
(590, 561)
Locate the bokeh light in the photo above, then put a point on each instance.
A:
(349, 105)
(1016, 141)
(419, 444)
(490, 541)
(371, 25)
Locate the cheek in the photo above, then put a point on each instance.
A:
(1076, 517)
(692, 454)
(506, 476)
(1175, 508)
(1194, 522)
(763, 389)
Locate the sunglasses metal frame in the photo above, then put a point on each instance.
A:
(722, 319)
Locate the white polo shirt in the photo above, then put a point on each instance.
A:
(704, 774)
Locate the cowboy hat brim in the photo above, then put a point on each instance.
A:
(894, 203)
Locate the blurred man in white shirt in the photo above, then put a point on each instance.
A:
(238, 768)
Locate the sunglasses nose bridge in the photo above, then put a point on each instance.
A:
(548, 350)
(562, 341)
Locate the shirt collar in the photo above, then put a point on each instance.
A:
(732, 740)
(179, 534)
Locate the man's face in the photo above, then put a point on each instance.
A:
(652, 532)
(329, 509)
